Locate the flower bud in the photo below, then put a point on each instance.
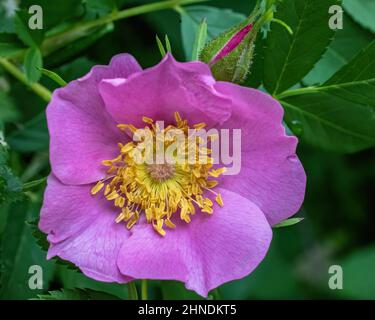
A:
(230, 54)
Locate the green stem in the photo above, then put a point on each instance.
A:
(132, 291)
(144, 289)
(32, 184)
(80, 30)
(41, 91)
(296, 92)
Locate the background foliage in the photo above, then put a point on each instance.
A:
(324, 79)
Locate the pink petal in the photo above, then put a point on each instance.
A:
(159, 91)
(271, 174)
(82, 133)
(204, 254)
(82, 230)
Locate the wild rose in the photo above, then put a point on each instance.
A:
(118, 222)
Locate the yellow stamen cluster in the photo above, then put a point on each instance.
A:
(160, 190)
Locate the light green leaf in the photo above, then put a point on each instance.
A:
(340, 114)
(218, 21)
(200, 40)
(168, 44)
(160, 46)
(54, 76)
(287, 222)
(288, 58)
(33, 64)
(362, 11)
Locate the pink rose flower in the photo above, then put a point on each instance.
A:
(191, 237)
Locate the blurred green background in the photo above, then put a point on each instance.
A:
(339, 207)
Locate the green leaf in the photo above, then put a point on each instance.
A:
(54, 12)
(32, 136)
(42, 242)
(288, 58)
(31, 38)
(54, 76)
(6, 19)
(358, 274)
(346, 45)
(255, 78)
(99, 8)
(218, 21)
(73, 49)
(9, 45)
(362, 11)
(359, 70)
(77, 294)
(160, 46)
(168, 44)
(8, 108)
(19, 252)
(287, 222)
(339, 115)
(33, 64)
(173, 290)
(200, 40)
(10, 185)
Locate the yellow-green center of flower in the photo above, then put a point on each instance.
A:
(160, 190)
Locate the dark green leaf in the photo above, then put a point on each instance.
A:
(10, 185)
(288, 58)
(338, 115)
(346, 45)
(173, 290)
(54, 12)
(99, 8)
(31, 38)
(8, 108)
(77, 294)
(33, 64)
(32, 136)
(20, 252)
(41, 240)
(9, 44)
(73, 49)
(218, 21)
